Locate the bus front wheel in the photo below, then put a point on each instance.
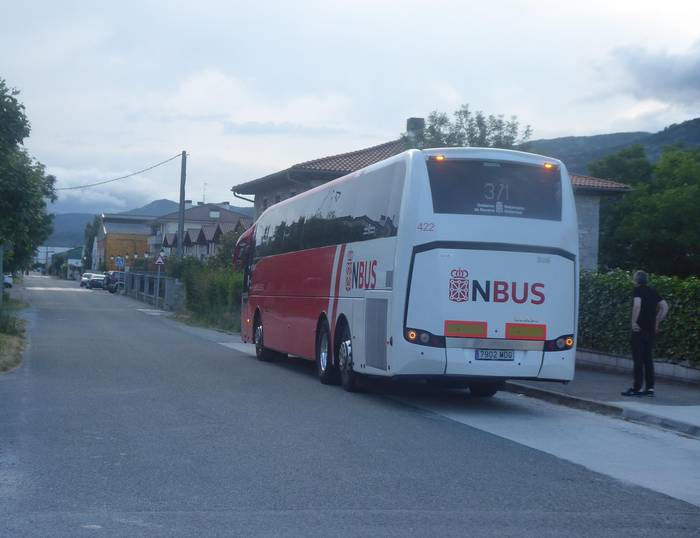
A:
(485, 389)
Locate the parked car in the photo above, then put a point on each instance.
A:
(85, 279)
(7, 281)
(96, 281)
(114, 281)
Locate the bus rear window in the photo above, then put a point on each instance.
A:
(502, 189)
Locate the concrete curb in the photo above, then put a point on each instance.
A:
(603, 408)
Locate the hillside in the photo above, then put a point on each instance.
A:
(156, 208)
(578, 151)
(68, 229)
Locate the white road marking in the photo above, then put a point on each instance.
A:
(151, 311)
(248, 349)
(43, 288)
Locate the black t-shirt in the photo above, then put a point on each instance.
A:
(647, 315)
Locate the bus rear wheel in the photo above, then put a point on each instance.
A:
(327, 370)
(261, 352)
(349, 379)
(485, 389)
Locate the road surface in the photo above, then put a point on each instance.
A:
(122, 422)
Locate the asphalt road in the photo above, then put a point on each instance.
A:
(121, 422)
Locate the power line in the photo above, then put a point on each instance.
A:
(121, 177)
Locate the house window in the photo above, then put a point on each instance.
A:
(214, 214)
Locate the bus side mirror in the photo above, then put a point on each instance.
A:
(239, 254)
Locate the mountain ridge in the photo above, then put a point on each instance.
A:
(577, 151)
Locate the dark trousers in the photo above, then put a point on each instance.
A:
(642, 345)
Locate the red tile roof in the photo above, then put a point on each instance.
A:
(354, 160)
(344, 163)
(597, 184)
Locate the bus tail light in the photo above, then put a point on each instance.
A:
(424, 338)
(560, 344)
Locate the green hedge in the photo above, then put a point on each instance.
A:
(213, 294)
(606, 306)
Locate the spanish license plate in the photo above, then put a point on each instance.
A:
(494, 355)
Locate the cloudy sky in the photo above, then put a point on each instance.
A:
(248, 88)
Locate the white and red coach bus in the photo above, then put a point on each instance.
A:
(454, 264)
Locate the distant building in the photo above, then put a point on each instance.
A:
(204, 225)
(130, 237)
(278, 186)
(119, 236)
(44, 254)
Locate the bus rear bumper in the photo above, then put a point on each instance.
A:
(558, 365)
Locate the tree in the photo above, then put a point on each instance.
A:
(629, 165)
(657, 226)
(91, 230)
(224, 255)
(469, 128)
(24, 185)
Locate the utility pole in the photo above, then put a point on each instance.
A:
(181, 216)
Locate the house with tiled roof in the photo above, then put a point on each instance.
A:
(278, 186)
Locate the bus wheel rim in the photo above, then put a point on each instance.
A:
(258, 337)
(323, 353)
(345, 355)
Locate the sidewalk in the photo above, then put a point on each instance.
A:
(676, 406)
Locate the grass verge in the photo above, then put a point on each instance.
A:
(10, 351)
(11, 334)
(227, 322)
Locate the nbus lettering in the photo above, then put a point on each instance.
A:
(498, 291)
(364, 274)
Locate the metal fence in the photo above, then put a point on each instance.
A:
(157, 290)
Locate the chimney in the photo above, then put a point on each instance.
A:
(414, 127)
(188, 204)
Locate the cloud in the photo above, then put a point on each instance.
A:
(662, 76)
(279, 128)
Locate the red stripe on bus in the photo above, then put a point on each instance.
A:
(338, 273)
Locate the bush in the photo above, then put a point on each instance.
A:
(606, 306)
(213, 294)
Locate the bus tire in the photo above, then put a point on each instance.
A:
(485, 389)
(327, 370)
(261, 352)
(349, 379)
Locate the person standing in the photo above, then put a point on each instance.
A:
(648, 311)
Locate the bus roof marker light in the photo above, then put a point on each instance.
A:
(438, 158)
(548, 166)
